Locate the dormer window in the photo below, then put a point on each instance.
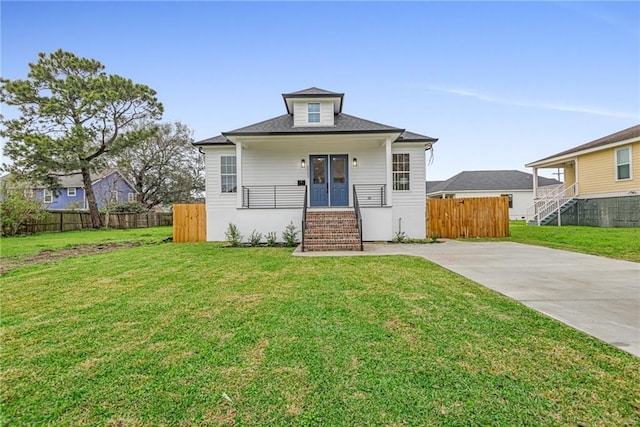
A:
(313, 112)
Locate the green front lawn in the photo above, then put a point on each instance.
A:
(160, 334)
(32, 244)
(620, 243)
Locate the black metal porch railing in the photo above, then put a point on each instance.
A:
(304, 218)
(371, 195)
(356, 208)
(273, 196)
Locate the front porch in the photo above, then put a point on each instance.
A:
(325, 226)
(293, 196)
(551, 201)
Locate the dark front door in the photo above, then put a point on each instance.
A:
(319, 180)
(339, 182)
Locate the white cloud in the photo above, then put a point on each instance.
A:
(533, 104)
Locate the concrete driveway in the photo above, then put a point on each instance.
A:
(597, 295)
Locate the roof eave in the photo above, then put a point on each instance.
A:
(322, 132)
(572, 155)
(211, 144)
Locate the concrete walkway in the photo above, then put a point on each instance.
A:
(597, 295)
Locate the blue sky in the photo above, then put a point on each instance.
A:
(500, 84)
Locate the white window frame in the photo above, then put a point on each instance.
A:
(114, 196)
(313, 113)
(404, 173)
(131, 197)
(47, 196)
(629, 163)
(225, 173)
(71, 191)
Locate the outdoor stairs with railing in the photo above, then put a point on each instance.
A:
(554, 215)
(331, 231)
(546, 209)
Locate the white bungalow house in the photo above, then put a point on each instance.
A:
(339, 178)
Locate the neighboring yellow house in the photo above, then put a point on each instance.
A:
(602, 183)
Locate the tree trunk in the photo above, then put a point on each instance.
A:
(96, 221)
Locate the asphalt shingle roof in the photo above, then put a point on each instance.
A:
(74, 180)
(632, 132)
(314, 91)
(343, 124)
(500, 180)
(407, 136)
(283, 125)
(215, 140)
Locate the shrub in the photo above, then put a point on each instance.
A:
(255, 238)
(289, 235)
(16, 209)
(434, 237)
(400, 237)
(128, 207)
(272, 238)
(233, 236)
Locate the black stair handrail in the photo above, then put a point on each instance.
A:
(356, 208)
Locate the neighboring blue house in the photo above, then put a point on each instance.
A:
(110, 186)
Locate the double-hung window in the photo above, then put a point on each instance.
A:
(131, 197)
(71, 191)
(313, 111)
(228, 180)
(47, 196)
(623, 163)
(401, 171)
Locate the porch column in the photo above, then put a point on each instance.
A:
(577, 184)
(535, 183)
(240, 192)
(389, 155)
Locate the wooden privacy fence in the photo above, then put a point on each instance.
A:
(189, 223)
(74, 220)
(468, 217)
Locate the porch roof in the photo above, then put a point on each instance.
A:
(595, 145)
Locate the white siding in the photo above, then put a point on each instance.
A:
(213, 192)
(247, 220)
(278, 163)
(215, 199)
(409, 206)
(300, 111)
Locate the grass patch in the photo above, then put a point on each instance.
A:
(32, 244)
(619, 243)
(158, 335)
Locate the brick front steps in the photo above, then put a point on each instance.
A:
(331, 231)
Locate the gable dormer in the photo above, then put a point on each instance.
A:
(313, 106)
